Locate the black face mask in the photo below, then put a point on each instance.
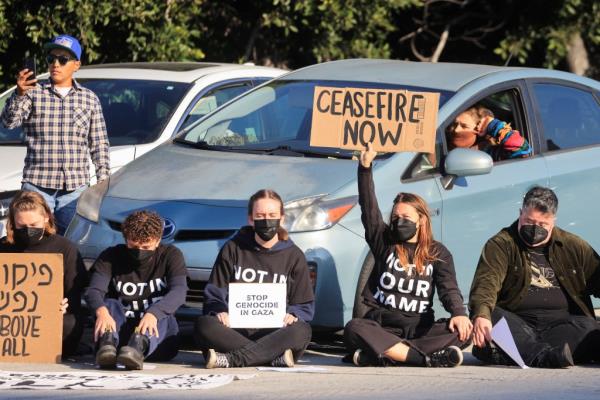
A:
(402, 229)
(266, 229)
(533, 234)
(27, 236)
(139, 256)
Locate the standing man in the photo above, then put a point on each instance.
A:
(63, 126)
(539, 277)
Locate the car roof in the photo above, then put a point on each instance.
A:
(169, 71)
(442, 76)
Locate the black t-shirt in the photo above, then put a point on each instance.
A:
(544, 292)
(157, 286)
(243, 260)
(75, 276)
(398, 287)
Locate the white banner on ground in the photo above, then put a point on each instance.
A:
(257, 305)
(100, 381)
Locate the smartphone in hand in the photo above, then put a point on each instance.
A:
(29, 63)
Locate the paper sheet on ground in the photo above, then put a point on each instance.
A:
(309, 368)
(99, 381)
(503, 338)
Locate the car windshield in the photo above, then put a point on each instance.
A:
(273, 119)
(135, 111)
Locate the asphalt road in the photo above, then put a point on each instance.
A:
(343, 381)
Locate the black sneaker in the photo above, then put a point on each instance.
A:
(216, 360)
(492, 355)
(556, 357)
(106, 356)
(449, 357)
(362, 358)
(286, 359)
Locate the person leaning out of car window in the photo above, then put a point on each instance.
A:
(410, 266)
(134, 292)
(539, 278)
(30, 228)
(259, 253)
(476, 128)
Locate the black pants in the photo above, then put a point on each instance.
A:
(251, 347)
(534, 335)
(372, 334)
(72, 332)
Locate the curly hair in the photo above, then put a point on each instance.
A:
(142, 226)
(28, 201)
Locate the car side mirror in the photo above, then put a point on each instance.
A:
(465, 162)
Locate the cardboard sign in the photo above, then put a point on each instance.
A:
(257, 305)
(31, 289)
(393, 120)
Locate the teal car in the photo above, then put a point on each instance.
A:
(200, 181)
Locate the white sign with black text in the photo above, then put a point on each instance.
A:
(257, 305)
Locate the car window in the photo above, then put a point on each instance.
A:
(9, 136)
(275, 117)
(570, 117)
(504, 105)
(213, 99)
(135, 111)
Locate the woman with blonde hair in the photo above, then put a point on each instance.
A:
(31, 229)
(410, 265)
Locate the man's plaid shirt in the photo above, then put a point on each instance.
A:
(60, 134)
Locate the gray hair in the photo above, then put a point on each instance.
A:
(541, 199)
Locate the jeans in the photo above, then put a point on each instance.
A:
(251, 347)
(161, 348)
(62, 203)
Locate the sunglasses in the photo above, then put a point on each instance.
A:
(62, 60)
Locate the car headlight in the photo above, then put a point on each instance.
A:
(5, 200)
(88, 205)
(314, 213)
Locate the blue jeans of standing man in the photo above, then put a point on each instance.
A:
(63, 203)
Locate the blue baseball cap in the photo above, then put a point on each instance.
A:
(65, 42)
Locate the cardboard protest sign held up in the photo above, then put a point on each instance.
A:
(257, 305)
(393, 120)
(31, 289)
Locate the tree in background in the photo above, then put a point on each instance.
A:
(286, 33)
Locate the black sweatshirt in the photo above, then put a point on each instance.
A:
(242, 259)
(157, 286)
(393, 286)
(75, 276)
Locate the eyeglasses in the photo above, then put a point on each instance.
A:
(62, 60)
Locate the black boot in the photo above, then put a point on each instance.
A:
(132, 355)
(556, 357)
(106, 356)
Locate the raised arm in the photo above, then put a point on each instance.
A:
(372, 220)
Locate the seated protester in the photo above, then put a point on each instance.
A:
(264, 248)
(539, 278)
(476, 128)
(409, 266)
(31, 229)
(134, 291)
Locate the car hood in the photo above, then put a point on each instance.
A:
(177, 172)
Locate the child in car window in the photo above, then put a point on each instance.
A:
(476, 128)
(399, 327)
(260, 253)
